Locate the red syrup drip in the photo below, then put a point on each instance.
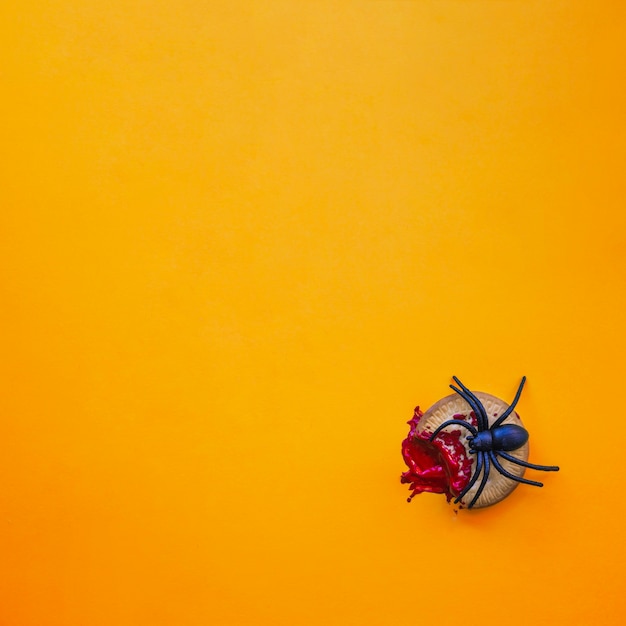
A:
(440, 466)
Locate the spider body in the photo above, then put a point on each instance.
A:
(489, 443)
(506, 438)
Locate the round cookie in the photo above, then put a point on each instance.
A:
(498, 486)
(445, 465)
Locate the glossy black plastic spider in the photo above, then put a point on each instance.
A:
(488, 443)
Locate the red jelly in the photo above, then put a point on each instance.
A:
(440, 466)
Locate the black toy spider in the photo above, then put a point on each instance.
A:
(488, 443)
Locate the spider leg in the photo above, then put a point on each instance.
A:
(481, 409)
(483, 482)
(543, 468)
(474, 402)
(512, 406)
(502, 471)
(458, 423)
(470, 484)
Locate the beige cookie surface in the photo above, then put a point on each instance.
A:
(453, 406)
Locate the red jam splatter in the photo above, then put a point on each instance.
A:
(440, 466)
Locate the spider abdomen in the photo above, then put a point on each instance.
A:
(506, 438)
(509, 437)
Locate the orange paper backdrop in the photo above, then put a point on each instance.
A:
(240, 241)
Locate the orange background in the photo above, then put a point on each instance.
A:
(240, 241)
